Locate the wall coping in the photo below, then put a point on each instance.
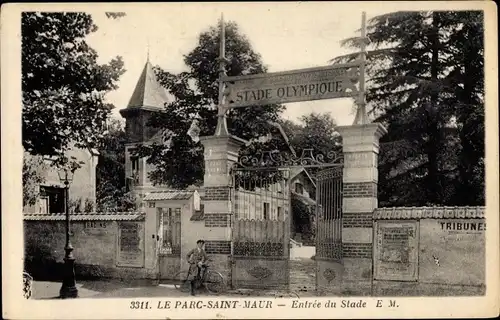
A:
(429, 213)
(85, 216)
(163, 195)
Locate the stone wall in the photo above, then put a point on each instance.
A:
(96, 248)
(430, 247)
(450, 255)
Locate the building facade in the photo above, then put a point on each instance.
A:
(82, 189)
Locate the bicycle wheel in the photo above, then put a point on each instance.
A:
(214, 282)
(180, 281)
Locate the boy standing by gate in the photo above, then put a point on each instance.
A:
(196, 258)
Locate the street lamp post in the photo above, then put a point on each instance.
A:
(68, 288)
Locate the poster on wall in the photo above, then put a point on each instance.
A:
(130, 244)
(396, 255)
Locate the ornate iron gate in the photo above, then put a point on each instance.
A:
(260, 228)
(329, 227)
(169, 241)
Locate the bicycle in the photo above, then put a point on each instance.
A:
(212, 280)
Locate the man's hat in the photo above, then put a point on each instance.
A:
(200, 241)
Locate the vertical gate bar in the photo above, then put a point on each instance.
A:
(289, 203)
(248, 195)
(323, 208)
(243, 195)
(325, 213)
(318, 212)
(340, 193)
(334, 196)
(316, 209)
(335, 182)
(337, 231)
(334, 206)
(330, 205)
(334, 212)
(253, 198)
(339, 206)
(248, 190)
(263, 189)
(339, 182)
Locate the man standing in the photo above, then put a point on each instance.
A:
(196, 258)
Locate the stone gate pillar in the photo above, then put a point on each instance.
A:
(220, 154)
(360, 178)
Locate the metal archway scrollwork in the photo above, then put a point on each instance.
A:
(277, 159)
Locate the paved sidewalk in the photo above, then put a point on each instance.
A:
(302, 283)
(112, 289)
(50, 290)
(303, 276)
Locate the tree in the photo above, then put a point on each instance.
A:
(62, 83)
(110, 175)
(314, 131)
(196, 91)
(467, 63)
(33, 174)
(412, 90)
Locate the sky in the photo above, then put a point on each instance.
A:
(287, 35)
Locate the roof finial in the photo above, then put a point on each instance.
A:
(147, 57)
(221, 128)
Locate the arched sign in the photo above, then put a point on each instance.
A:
(336, 81)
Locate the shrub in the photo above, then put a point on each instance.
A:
(89, 206)
(75, 205)
(89, 271)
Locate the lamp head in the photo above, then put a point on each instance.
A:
(67, 173)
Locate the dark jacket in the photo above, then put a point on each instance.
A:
(195, 256)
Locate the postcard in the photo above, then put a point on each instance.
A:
(250, 160)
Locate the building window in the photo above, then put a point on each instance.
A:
(299, 188)
(281, 216)
(135, 163)
(129, 185)
(170, 220)
(266, 211)
(43, 203)
(54, 199)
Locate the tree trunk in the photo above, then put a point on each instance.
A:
(434, 141)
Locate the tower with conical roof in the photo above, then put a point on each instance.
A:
(148, 98)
